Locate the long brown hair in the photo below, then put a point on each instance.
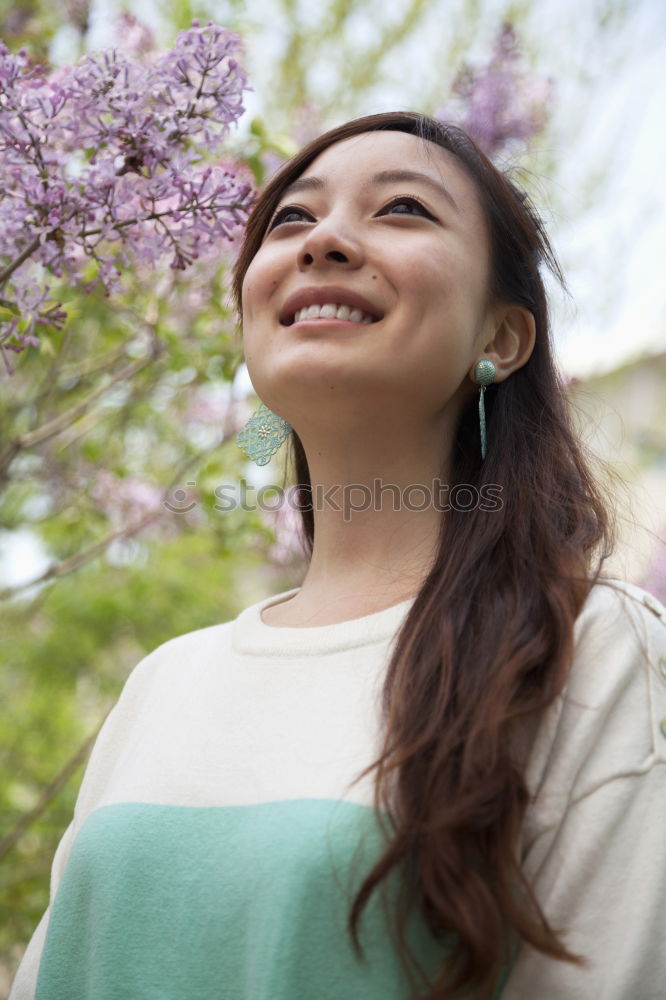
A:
(488, 641)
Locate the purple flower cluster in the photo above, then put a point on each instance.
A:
(109, 163)
(502, 103)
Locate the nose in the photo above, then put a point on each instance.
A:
(330, 243)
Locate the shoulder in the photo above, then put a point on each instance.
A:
(619, 638)
(193, 659)
(157, 690)
(610, 720)
(616, 603)
(202, 643)
(616, 692)
(176, 665)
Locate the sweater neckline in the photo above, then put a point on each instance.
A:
(252, 635)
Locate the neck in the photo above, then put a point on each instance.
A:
(375, 513)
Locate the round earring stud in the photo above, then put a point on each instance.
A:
(485, 372)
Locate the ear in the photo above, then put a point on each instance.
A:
(512, 342)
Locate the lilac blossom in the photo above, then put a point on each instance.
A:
(127, 500)
(124, 498)
(501, 104)
(110, 163)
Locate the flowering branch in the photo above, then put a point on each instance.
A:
(502, 103)
(62, 420)
(103, 167)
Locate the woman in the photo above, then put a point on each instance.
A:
(436, 769)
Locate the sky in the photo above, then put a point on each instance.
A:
(613, 252)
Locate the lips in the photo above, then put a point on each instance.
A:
(320, 296)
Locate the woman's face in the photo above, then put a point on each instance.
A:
(386, 233)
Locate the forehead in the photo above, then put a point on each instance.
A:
(355, 161)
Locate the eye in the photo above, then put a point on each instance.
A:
(289, 213)
(407, 205)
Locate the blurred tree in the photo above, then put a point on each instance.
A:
(117, 427)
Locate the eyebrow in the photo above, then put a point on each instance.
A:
(383, 177)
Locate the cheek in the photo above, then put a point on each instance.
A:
(446, 306)
(249, 296)
(438, 287)
(259, 283)
(451, 283)
(259, 306)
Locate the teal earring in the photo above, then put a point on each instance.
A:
(262, 435)
(485, 373)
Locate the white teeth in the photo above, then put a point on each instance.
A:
(332, 311)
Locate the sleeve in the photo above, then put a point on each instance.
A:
(112, 736)
(25, 982)
(599, 872)
(604, 880)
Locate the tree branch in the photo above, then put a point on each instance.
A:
(9, 841)
(66, 566)
(56, 424)
(16, 263)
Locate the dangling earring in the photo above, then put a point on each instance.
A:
(262, 435)
(484, 372)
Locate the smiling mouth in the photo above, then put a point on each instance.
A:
(331, 311)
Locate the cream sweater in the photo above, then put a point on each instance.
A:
(216, 841)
